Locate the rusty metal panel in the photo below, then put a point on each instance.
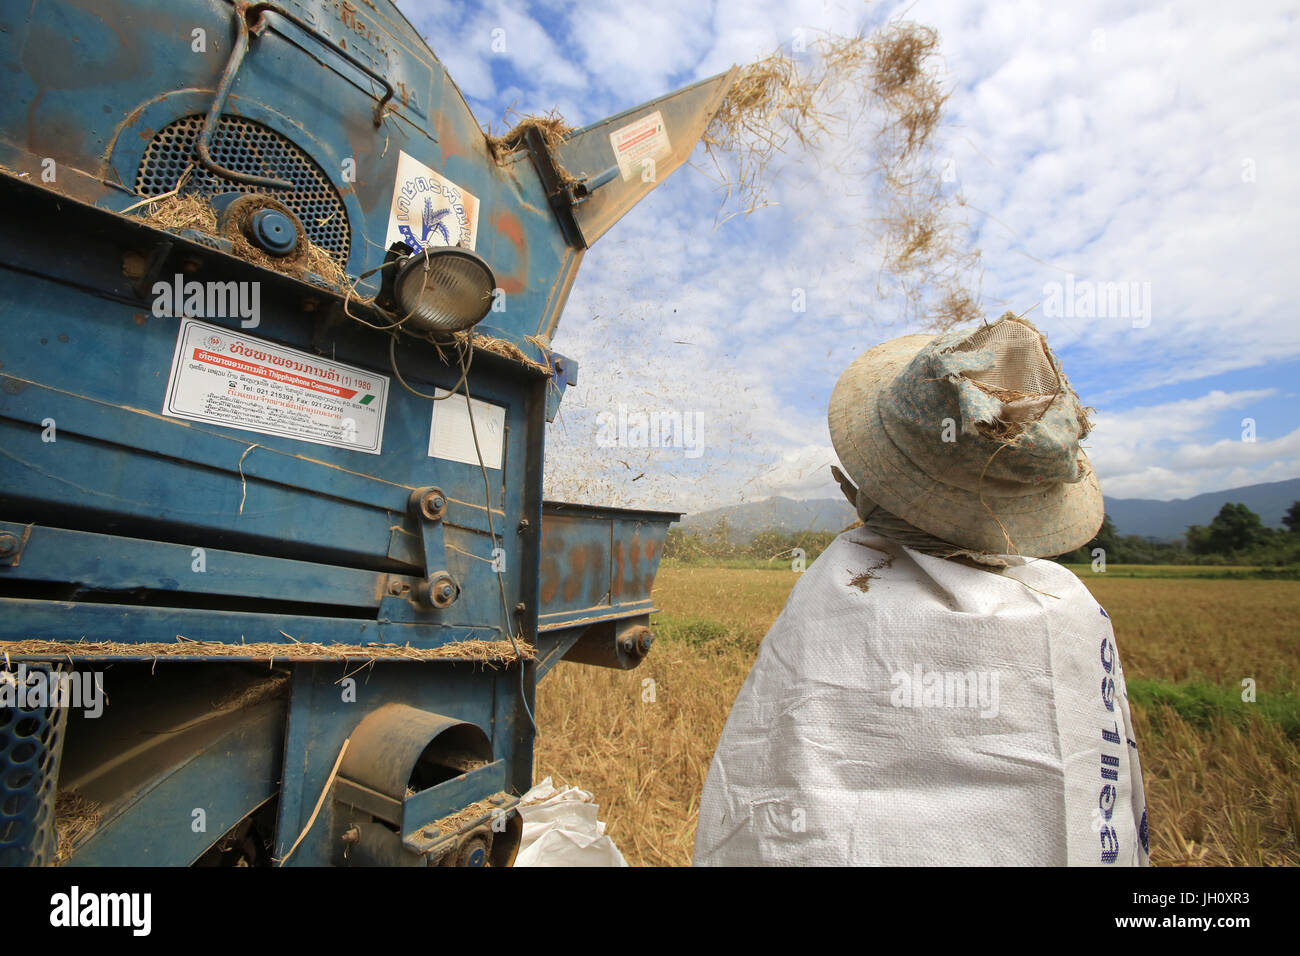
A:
(598, 563)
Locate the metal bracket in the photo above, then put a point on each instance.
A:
(559, 194)
(439, 590)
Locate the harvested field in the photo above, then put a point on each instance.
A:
(1220, 774)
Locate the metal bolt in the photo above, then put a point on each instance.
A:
(8, 545)
(394, 588)
(497, 799)
(636, 641)
(427, 503)
(439, 591)
(352, 835)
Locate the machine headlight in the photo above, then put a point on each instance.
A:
(443, 289)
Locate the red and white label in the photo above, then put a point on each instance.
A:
(640, 141)
(227, 378)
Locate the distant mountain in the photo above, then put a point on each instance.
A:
(1162, 520)
(780, 514)
(1165, 520)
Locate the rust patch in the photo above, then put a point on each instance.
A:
(577, 571)
(617, 584)
(448, 141)
(550, 582)
(507, 224)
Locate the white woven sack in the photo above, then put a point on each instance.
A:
(931, 713)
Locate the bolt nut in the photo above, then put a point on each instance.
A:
(636, 641)
(428, 503)
(8, 545)
(440, 591)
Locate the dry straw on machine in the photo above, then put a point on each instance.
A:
(484, 651)
(181, 210)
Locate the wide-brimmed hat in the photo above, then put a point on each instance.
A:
(972, 436)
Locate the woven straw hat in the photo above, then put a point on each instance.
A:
(973, 437)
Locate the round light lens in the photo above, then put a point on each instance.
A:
(444, 289)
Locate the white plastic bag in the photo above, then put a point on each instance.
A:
(561, 829)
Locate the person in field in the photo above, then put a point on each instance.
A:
(934, 692)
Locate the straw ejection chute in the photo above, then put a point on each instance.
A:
(275, 325)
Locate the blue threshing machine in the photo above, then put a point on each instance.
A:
(258, 497)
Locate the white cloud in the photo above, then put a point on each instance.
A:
(1157, 150)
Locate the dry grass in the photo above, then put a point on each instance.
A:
(1219, 793)
(551, 125)
(484, 651)
(188, 211)
(75, 819)
(787, 103)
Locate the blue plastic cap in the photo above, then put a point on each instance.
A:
(273, 231)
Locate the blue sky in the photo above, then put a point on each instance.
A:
(1108, 142)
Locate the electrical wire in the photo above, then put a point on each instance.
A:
(501, 585)
(464, 370)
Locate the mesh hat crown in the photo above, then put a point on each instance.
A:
(973, 437)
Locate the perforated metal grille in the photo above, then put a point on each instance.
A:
(31, 739)
(248, 147)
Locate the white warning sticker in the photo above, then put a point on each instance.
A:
(430, 210)
(640, 141)
(225, 378)
(452, 435)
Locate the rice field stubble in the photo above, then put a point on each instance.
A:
(1222, 776)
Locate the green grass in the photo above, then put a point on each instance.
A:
(693, 632)
(1217, 572)
(1200, 703)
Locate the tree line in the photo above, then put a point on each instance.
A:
(1237, 535)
